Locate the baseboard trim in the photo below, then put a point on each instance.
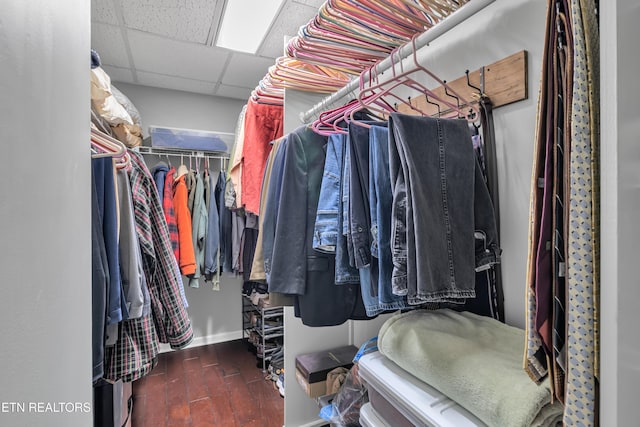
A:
(206, 340)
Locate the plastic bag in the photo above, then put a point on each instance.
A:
(347, 403)
(344, 410)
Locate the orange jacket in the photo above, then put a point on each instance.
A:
(187, 259)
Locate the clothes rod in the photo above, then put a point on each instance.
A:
(460, 15)
(181, 152)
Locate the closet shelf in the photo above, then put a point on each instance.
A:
(181, 152)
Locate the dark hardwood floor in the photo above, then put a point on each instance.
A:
(216, 385)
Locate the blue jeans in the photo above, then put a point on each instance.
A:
(325, 234)
(440, 203)
(380, 202)
(346, 273)
(360, 220)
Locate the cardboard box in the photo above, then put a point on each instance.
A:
(311, 389)
(315, 366)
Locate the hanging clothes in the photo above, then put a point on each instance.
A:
(562, 278)
(581, 401)
(380, 202)
(237, 240)
(169, 212)
(199, 221)
(99, 284)
(294, 267)
(263, 123)
(328, 236)
(224, 214)
(271, 211)
(233, 186)
(135, 352)
(103, 170)
(437, 211)
(212, 241)
(257, 266)
(187, 260)
(174, 236)
(249, 242)
(134, 284)
(159, 264)
(159, 172)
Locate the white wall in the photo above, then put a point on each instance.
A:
(501, 29)
(45, 260)
(175, 108)
(620, 204)
(215, 315)
(300, 410)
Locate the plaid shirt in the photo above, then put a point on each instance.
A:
(134, 355)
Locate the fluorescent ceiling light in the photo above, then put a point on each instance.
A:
(245, 23)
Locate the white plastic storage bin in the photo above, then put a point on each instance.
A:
(401, 399)
(189, 139)
(370, 418)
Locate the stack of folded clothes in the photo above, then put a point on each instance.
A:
(475, 361)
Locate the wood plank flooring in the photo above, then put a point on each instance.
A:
(217, 385)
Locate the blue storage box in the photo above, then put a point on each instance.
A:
(189, 139)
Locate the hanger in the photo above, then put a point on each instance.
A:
(345, 38)
(107, 146)
(375, 96)
(182, 169)
(473, 111)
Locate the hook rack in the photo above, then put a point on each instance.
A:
(504, 82)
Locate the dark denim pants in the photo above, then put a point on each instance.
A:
(440, 203)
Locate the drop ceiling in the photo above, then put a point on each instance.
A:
(170, 44)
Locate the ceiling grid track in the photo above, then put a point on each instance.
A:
(215, 22)
(117, 7)
(224, 70)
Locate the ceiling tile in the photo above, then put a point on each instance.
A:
(246, 70)
(118, 74)
(188, 20)
(164, 56)
(292, 17)
(108, 42)
(103, 11)
(234, 92)
(177, 83)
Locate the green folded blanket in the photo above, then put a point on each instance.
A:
(474, 360)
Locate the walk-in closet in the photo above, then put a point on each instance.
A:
(383, 213)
